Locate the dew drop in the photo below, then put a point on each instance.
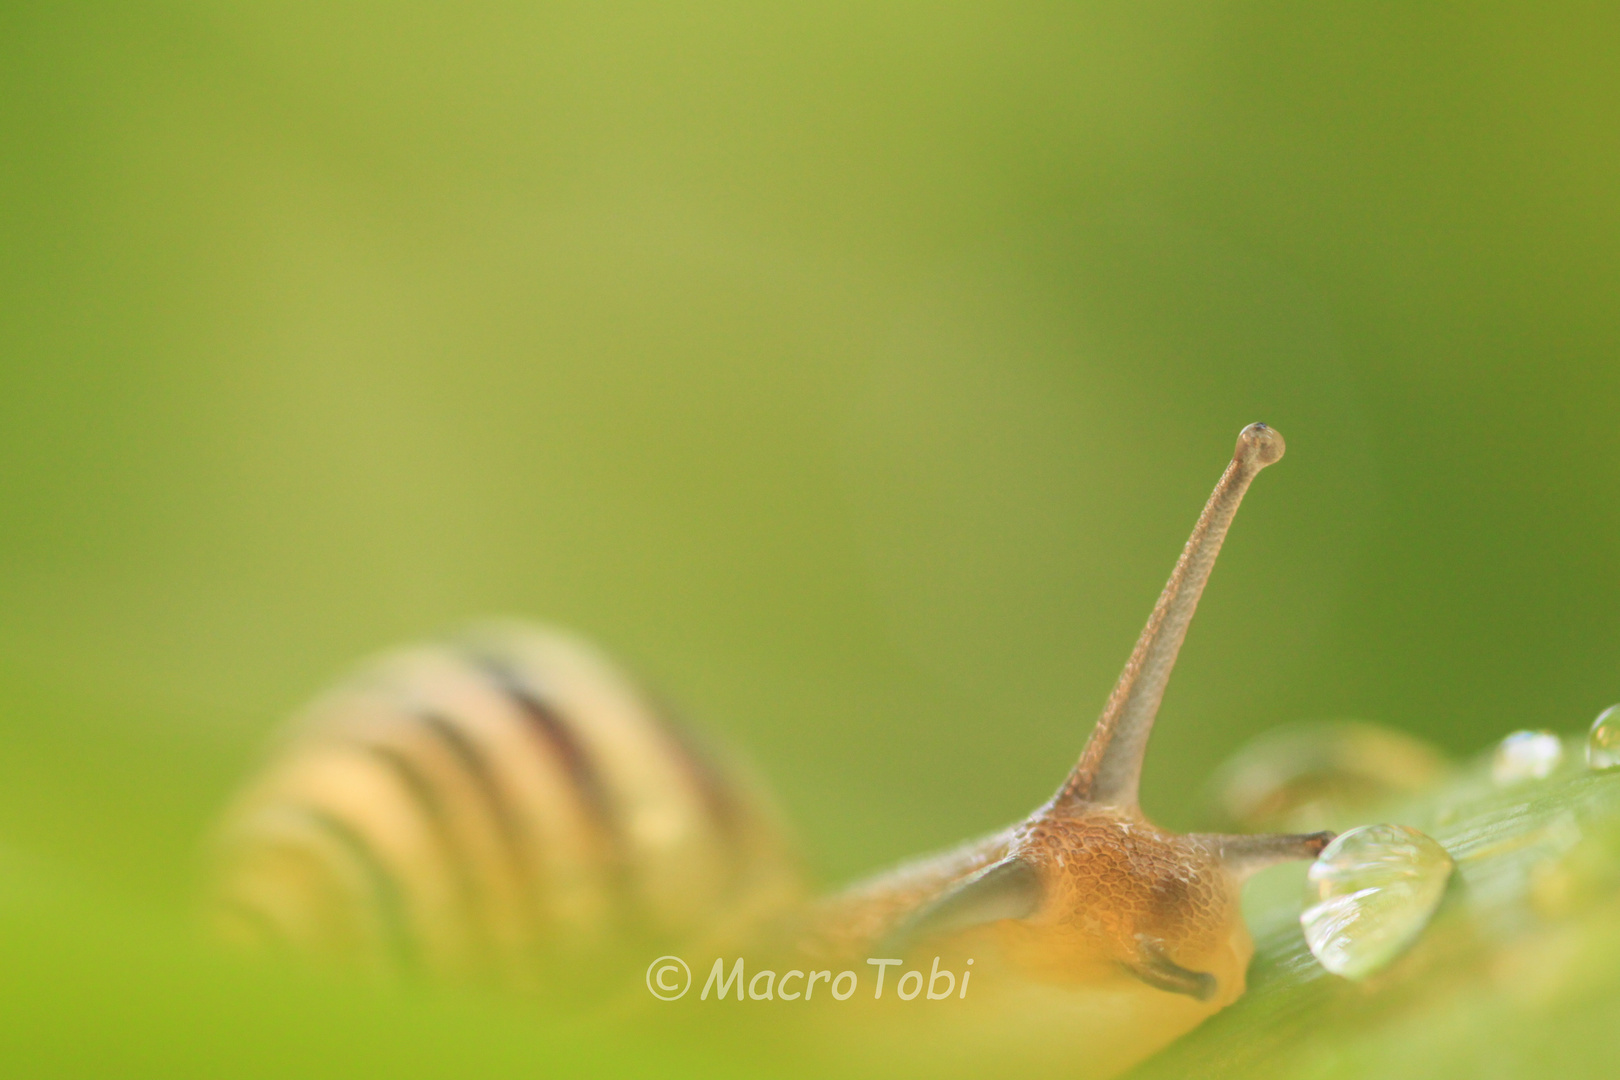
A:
(1527, 755)
(1374, 889)
(1603, 741)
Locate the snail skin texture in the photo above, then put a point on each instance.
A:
(508, 806)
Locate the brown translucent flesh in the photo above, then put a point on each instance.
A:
(1119, 895)
(1063, 989)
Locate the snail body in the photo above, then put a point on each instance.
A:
(508, 802)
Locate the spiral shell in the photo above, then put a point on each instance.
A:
(502, 806)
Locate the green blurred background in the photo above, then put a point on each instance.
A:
(855, 371)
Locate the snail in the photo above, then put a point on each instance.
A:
(507, 804)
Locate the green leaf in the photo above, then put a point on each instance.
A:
(1518, 974)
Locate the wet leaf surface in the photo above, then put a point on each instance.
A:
(1517, 975)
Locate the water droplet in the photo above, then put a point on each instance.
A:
(1603, 741)
(1527, 755)
(1375, 888)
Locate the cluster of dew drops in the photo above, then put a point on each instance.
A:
(1374, 888)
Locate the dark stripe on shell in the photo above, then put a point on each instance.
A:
(428, 798)
(515, 838)
(559, 738)
(269, 932)
(385, 887)
(713, 785)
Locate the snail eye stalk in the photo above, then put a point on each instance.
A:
(1109, 772)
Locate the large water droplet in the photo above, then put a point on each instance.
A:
(1603, 741)
(1526, 755)
(1375, 888)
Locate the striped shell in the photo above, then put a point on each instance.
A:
(500, 806)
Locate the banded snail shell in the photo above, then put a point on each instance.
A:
(504, 805)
